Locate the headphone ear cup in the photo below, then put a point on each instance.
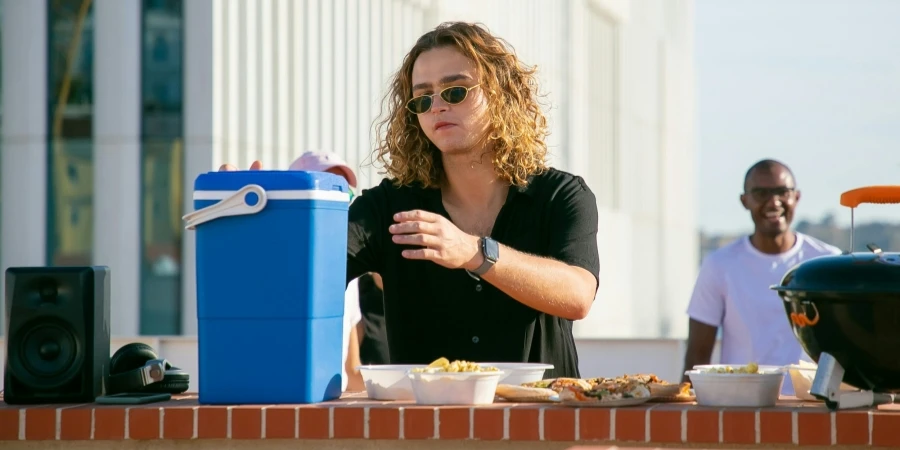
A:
(130, 357)
(175, 381)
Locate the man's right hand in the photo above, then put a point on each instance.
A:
(257, 165)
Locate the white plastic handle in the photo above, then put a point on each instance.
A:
(233, 205)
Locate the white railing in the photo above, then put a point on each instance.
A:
(597, 357)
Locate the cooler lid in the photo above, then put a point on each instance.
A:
(271, 180)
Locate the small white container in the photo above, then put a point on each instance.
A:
(455, 388)
(388, 381)
(519, 373)
(802, 378)
(737, 389)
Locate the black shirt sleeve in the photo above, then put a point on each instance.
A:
(365, 233)
(573, 227)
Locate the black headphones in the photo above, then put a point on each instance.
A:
(136, 368)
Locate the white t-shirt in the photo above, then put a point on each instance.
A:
(352, 316)
(733, 292)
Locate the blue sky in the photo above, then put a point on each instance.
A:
(814, 83)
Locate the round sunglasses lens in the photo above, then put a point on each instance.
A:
(454, 95)
(419, 105)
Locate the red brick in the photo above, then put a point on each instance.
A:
(454, 423)
(109, 423)
(886, 429)
(75, 424)
(813, 428)
(488, 424)
(9, 424)
(384, 423)
(703, 426)
(593, 424)
(313, 422)
(852, 428)
(665, 425)
(738, 427)
(418, 423)
(348, 423)
(559, 424)
(281, 422)
(40, 424)
(775, 427)
(246, 422)
(524, 424)
(631, 424)
(813, 424)
(178, 423)
(212, 422)
(143, 423)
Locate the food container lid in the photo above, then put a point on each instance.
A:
(850, 273)
(455, 375)
(763, 371)
(271, 180)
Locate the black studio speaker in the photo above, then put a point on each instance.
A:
(57, 334)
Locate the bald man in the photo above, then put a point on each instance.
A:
(732, 291)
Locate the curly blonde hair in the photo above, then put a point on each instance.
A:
(518, 126)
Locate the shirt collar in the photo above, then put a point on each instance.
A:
(528, 189)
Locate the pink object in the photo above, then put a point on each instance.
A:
(321, 162)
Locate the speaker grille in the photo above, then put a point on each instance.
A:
(46, 354)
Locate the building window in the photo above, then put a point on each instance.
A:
(70, 184)
(603, 66)
(162, 75)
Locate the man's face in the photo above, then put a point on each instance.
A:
(771, 196)
(451, 128)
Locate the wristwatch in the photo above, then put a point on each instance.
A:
(490, 249)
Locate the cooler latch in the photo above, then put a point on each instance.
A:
(250, 199)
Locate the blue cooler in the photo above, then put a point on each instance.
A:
(271, 275)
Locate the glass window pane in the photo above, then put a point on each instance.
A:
(70, 160)
(162, 71)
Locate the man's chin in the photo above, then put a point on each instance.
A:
(774, 230)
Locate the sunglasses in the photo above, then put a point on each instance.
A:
(764, 194)
(453, 95)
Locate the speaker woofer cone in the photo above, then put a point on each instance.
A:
(49, 354)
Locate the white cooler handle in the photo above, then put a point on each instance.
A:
(233, 205)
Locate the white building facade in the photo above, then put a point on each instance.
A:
(111, 108)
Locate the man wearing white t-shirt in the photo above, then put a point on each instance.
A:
(351, 380)
(733, 287)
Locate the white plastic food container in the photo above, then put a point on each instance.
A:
(455, 388)
(802, 377)
(388, 381)
(518, 373)
(737, 389)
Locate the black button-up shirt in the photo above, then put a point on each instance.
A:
(431, 311)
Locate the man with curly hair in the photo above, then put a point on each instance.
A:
(485, 252)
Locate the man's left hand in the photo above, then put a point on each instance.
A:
(441, 240)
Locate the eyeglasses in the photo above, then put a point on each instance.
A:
(453, 95)
(764, 194)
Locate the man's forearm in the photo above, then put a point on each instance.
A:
(700, 344)
(547, 285)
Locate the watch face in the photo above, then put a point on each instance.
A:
(491, 249)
